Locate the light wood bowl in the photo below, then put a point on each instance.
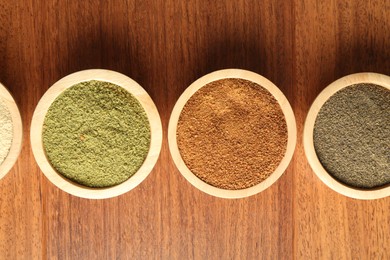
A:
(364, 194)
(70, 186)
(223, 74)
(17, 139)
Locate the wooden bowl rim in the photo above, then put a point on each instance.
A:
(17, 139)
(287, 111)
(118, 79)
(308, 142)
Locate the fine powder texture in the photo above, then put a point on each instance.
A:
(6, 131)
(232, 134)
(96, 134)
(352, 136)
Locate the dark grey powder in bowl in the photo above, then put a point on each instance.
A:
(352, 136)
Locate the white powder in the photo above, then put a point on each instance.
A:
(6, 131)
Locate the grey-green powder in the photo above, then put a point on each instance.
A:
(352, 136)
(6, 131)
(96, 134)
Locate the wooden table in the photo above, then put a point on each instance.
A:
(300, 45)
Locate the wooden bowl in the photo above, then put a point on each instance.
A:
(122, 81)
(365, 194)
(16, 145)
(223, 74)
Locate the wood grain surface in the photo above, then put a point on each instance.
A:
(300, 45)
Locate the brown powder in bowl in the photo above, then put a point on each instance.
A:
(232, 134)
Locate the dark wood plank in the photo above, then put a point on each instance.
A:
(166, 45)
(20, 198)
(334, 39)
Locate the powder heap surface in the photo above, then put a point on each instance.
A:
(352, 136)
(232, 134)
(96, 134)
(6, 131)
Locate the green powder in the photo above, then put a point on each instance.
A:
(96, 134)
(352, 136)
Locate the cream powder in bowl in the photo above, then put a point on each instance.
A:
(6, 131)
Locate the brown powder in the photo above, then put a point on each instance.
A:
(232, 134)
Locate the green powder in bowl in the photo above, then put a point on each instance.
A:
(96, 134)
(352, 136)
